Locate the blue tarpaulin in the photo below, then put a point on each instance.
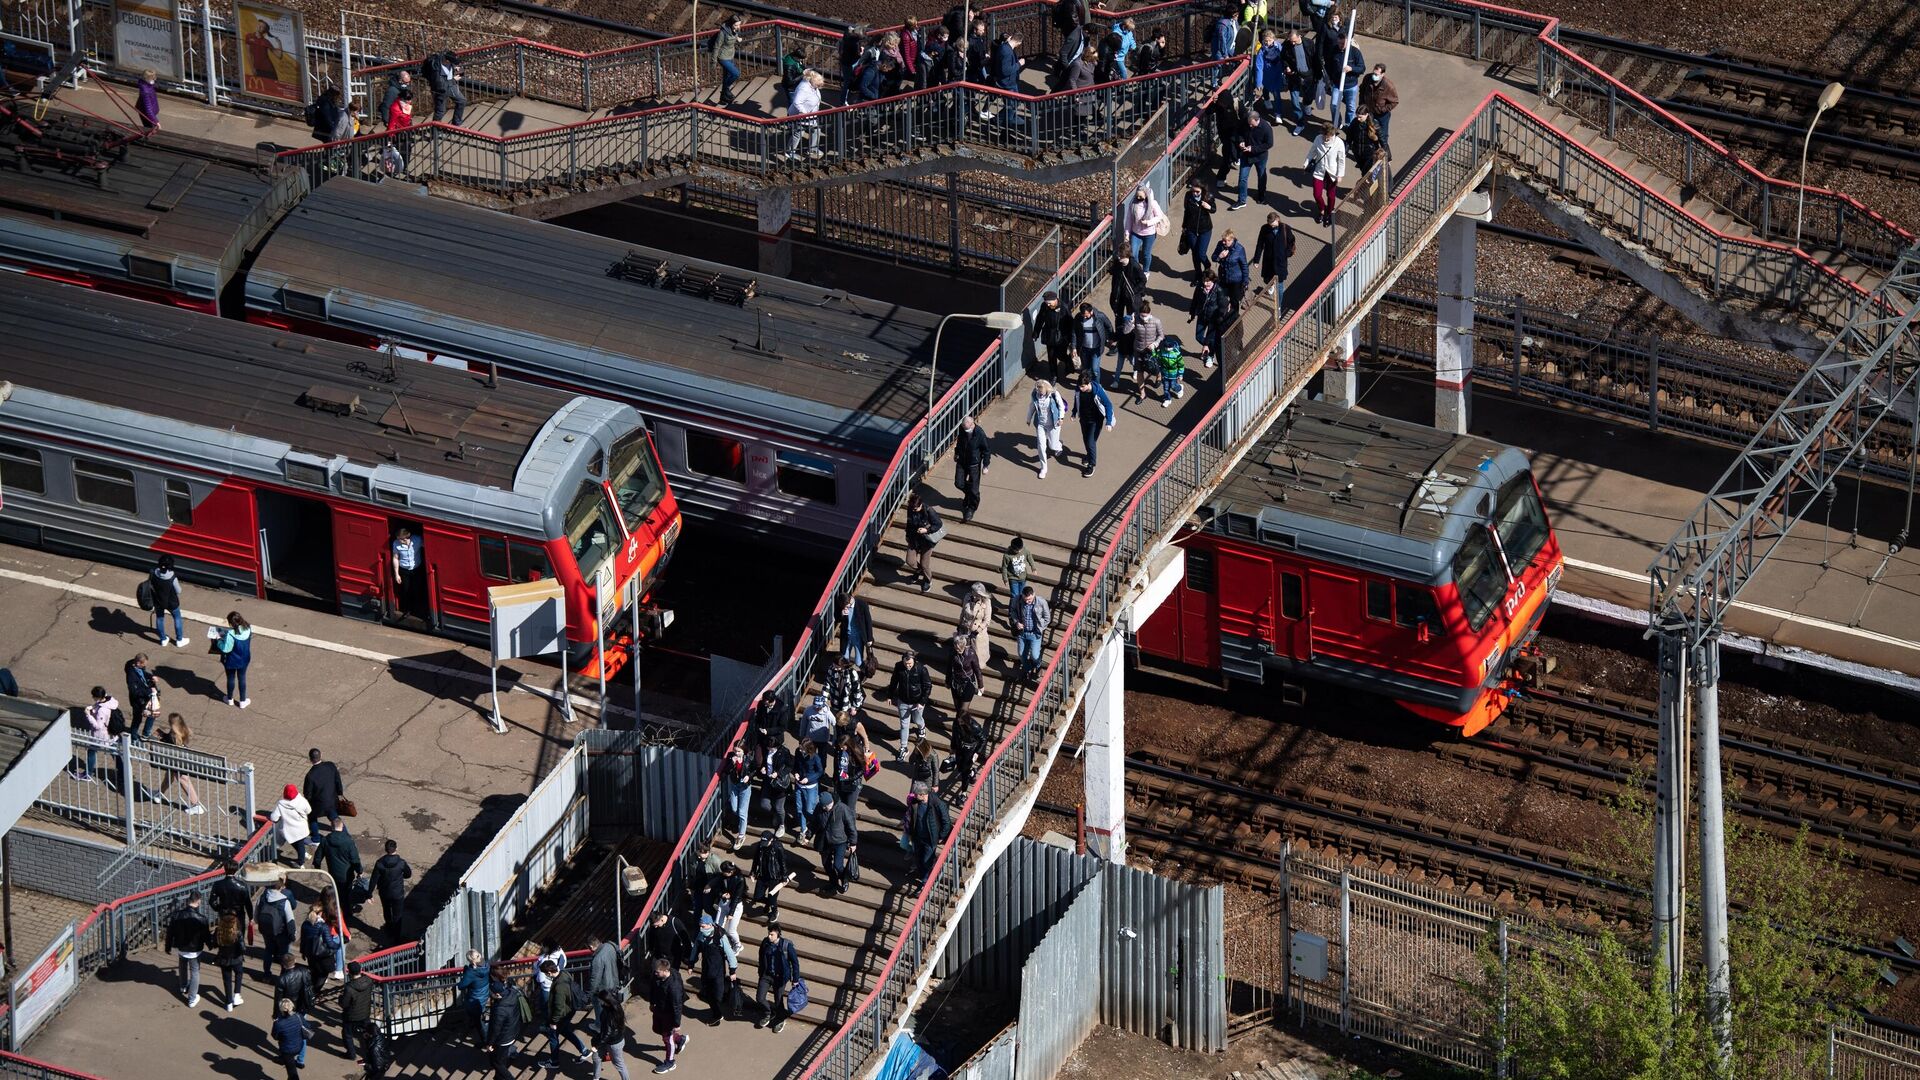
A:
(907, 1061)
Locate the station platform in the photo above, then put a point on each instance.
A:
(1617, 493)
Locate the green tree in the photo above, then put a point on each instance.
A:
(1583, 1005)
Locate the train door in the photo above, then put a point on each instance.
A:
(1199, 610)
(360, 561)
(1245, 595)
(1333, 612)
(296, 548)
(1295, 638)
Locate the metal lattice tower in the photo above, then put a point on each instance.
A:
(1868, 371)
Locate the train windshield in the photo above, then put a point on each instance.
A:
(1477, 574)
(636, 481)
(1521, 522)
(590, 529)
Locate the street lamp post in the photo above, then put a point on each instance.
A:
(1002, 321)
(1829, 97)
(258, 875)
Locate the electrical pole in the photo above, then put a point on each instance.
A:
(1868, 370)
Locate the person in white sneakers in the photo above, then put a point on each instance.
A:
(236, 655)
(176, 733)
(165, 588)
(188, 934)
(1045, 412)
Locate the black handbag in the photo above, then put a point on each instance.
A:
(1186, 244)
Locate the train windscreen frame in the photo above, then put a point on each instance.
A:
(1478, 576)
(1520, 521)
(589, 507)
(637, 485)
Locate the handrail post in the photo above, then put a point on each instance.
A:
(586, 82)
(124, 752)
(520, 69)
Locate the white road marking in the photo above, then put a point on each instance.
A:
(1759, 609)
(580, 701)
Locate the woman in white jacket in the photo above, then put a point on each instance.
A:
(1327, 162)
(291, 815)
(1146, 222)
(806, 100)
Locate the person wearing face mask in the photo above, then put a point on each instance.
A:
(1379, 97)
(1146, 222)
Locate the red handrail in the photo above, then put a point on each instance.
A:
(51, 1069)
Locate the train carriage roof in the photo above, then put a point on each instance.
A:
(388, 260)
(1363, 490)
(234, 396)
(166, 217)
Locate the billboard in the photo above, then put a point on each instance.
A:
(146, 35)
(273, 50)
(35, 995)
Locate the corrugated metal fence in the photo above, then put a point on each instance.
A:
(1060, 987)
(616, 763)
(1152, 963)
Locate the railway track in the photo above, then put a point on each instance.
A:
(1233, 825)
(1741, 102)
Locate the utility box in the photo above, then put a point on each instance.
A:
(1308, 956)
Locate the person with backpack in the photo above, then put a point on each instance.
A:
(667, 1004)
(236, 655)
(557, 1020)
(609, 1033)
(910, 688)
(1271, 250)
(1171, 359)
(160, 594)
(319, 946)
(508, 1013)
(769, 872)
(99, 716)
(779, 971)
(356, 1007)
(290, 1034)
(189, 935)
(718, 967)
(275, 918)
(924, 531)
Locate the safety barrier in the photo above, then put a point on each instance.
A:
(139, 790)
(671, 141)
(28, 1069)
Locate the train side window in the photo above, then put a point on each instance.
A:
(21, 470)
(1379, 601)
(1292, 604)
(1413, 606)
(806, 476)
(716, 455)
(513, 561)
(1200, 571)
(179, 502)
(98, 484)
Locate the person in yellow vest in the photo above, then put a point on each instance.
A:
(1253, 16)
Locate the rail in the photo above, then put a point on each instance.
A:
(669, 141)
(29, 1069)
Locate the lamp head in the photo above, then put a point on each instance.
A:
(1002, 321)
(1830, 96)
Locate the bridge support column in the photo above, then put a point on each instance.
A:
(773, 207)
(1104, 751)
(1453, 315)
(1340, 379)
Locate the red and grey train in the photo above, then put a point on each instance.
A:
(269, 462)
(1373, 553)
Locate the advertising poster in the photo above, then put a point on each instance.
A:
(272, 48)
(45, 985)
(146, 36)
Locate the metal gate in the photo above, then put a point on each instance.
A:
(1256, 954)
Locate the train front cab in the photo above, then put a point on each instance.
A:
(1252, 612)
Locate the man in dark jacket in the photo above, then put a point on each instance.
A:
(295, 984)
(979, 54)
(769, 872)
(143, 698)
(443, 78)
(557, 1017)
(772, 715)
(278, 925)
(399, 82)
(971, 458)
(1051, 330)
(910, 689)
(341, 857)
(356, 1005)
(839, 833)
(667, 1001)
(504, 1019)
(1128, 284)
(166, 601)
(1006, 68)
(390, 875)
(230, 894)
(1301, 65)
(323, 787)
(927, 824)
(1256, 142)
(856, 630)
(665, 938)
(1340, 66)
(779, 969)
(188, 934)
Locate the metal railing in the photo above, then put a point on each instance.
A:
(29, 1069)
(139, 790)
(1527, 42)
(670, 141)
